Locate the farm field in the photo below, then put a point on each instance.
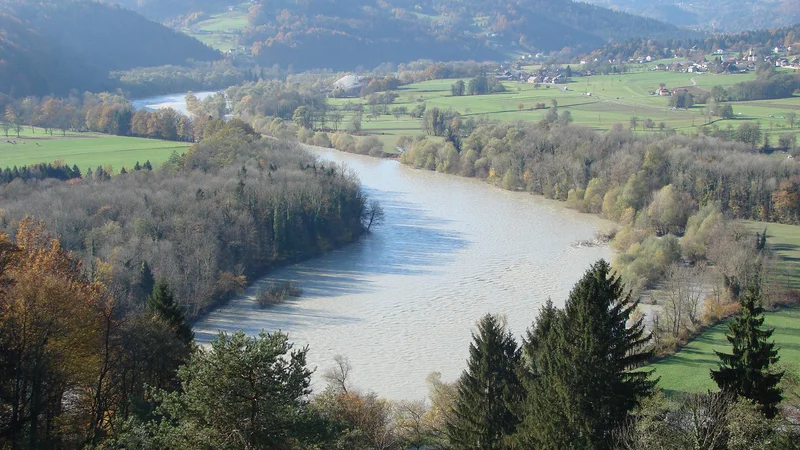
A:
(614, 99)
(86, 150)
(688, 370)
(220, 31)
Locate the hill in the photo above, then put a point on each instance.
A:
(717, 15)
(341, 35)
(344, 34)
(52, 48)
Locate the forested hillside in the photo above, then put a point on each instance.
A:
(717, 15)
(52, 48)
(342, 35)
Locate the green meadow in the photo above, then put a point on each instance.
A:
(86, 150)
(597, 101)
(688, 370)
(219, 32)
(784, 241)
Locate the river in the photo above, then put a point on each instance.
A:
(403, 301)
(174, 101)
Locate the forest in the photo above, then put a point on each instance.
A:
(234, 206)
(286, 32)
(55, 47)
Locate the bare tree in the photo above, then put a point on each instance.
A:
(682, 294)
(413, 425)
(336, 376)
(373, 215)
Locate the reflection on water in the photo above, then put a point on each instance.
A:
(403, 301)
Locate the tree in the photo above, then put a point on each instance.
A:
(791, 117)
(373, 215)
(336, 117)
(13, 118)
(457, 89)
(478, 85)
(161, 304)
(746, 371)
(483, 416)
(634, 121)
(242, 393)
(302, 117)
(580, 363)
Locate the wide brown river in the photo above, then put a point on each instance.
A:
(403, 301)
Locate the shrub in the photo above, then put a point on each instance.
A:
(276, 292)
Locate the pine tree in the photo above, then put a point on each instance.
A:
(746, 371)
(161, 303)
(581, 384)
(488, 391)
(146, 280)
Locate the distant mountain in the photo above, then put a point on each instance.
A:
(716, 15)
(52, 48)
(344, 34)
(341, 34)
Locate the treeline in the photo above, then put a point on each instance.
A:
(670, 194)
(761, 41)
(40, 171)
(769, 85)
(193, 76)
(103, 113)
(228, 210)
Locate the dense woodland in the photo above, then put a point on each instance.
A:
(55, 47)
(312, 34)
(231, 208)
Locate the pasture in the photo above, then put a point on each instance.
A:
(598, 102)
(689, 369)
(221, 30)
(86, 150)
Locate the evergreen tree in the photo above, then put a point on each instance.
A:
(161, 303)
(242, 393)
(146, 280)
(746, 371)
(488, 391)
(580, 384)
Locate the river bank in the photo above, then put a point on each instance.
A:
(402, 301)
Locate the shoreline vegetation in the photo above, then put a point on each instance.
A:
(231, 208)
(692, 257)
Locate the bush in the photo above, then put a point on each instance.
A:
(277, 292)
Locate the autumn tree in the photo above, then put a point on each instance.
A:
(49, 343)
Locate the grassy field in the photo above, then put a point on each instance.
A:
(784, 240)
(220, 31)
(688, 370)
(614, 99)
(87, 150)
